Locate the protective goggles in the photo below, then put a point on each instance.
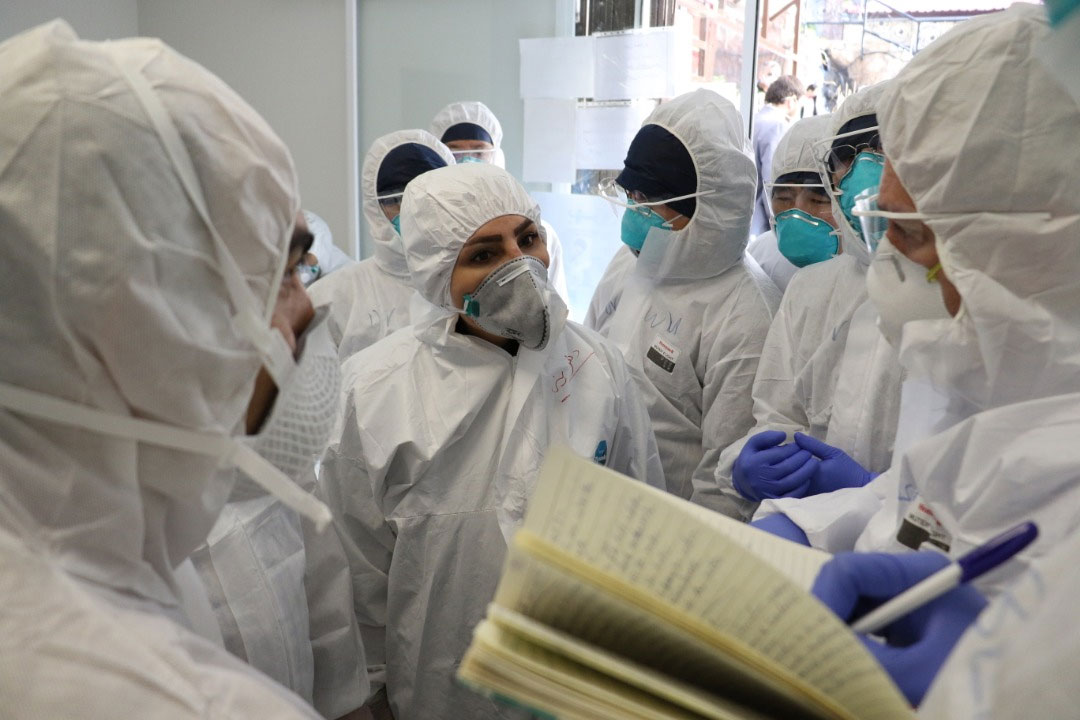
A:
(875, 221)
(481, 155)
(832, 157)
(617, 196)
(816, 188)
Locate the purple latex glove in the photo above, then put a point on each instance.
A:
(917, 645)
(767, 469)
(782, 526)
(835, 470)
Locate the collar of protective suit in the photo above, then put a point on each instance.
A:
(388, 253)
(715, 239)
(978, 131)
(141, 323)
(864, 102)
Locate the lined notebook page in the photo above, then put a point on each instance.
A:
(654, 683)
(550, 682)
(680, 562)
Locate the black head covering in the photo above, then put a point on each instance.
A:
(466, 131)
(659, 166)
(402, 164)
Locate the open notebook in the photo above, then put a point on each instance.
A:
(621, 601)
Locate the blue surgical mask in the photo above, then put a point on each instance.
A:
(468, 159)
(864, 174)
(636, 226)
(804, 239)
(396, 222)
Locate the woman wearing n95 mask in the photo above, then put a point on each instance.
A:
(447, 422)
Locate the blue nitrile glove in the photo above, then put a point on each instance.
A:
(836, 469)
(917, 645)
(782, 526)
(767, 469)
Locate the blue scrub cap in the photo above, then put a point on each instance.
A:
(466, 131)
(402, 164)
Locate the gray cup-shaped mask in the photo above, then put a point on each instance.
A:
(514, 302)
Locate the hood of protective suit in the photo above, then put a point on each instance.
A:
(795, 151)
(473, 112)
(113, 293)
(715, 238)
(978, 131)
(387, 251)
(442, 209)
(864, 102)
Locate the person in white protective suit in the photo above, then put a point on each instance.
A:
(797, 190)
(693, 312)
(323, 257)
(825, 371)
(446, 425)
(988, 209)
(370, 300)
(605, 297)
(279, 589)
(145, 216)
(474, 135)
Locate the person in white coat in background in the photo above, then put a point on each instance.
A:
(446, 425)
(280, 590)
(694, 310)
(474, 135)
(145, 218)
(994, 389)
(323, 257)
(371, 299)
(799, 192)
(826, 372)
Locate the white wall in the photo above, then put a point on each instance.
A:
(418, 55)
(97, 20)
(291, 60)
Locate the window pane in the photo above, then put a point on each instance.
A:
(715, 41)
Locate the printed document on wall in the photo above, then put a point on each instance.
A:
(639, 64)
(603, 133)
(557, 67)
(549, 146)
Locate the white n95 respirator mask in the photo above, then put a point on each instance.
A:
(516, 302)
(902, 291)
(298, 427)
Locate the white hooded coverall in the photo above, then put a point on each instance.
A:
(479, 114)
(370, 300)
(1006, 369)
(117, 162)
(693, 311)
(442, 440)
(825, 370)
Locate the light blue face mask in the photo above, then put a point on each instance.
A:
(864, 174)
(636, 226)
(396, 222)
(468, 159)
(804, 239)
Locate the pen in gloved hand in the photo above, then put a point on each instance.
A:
(981, 560)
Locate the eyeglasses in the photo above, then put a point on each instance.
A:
(831, 158)
(618, 196)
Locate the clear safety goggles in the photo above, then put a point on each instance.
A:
(481, 155)
(830, 159)
(875, 221)
(796, 187)
(618, 197)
